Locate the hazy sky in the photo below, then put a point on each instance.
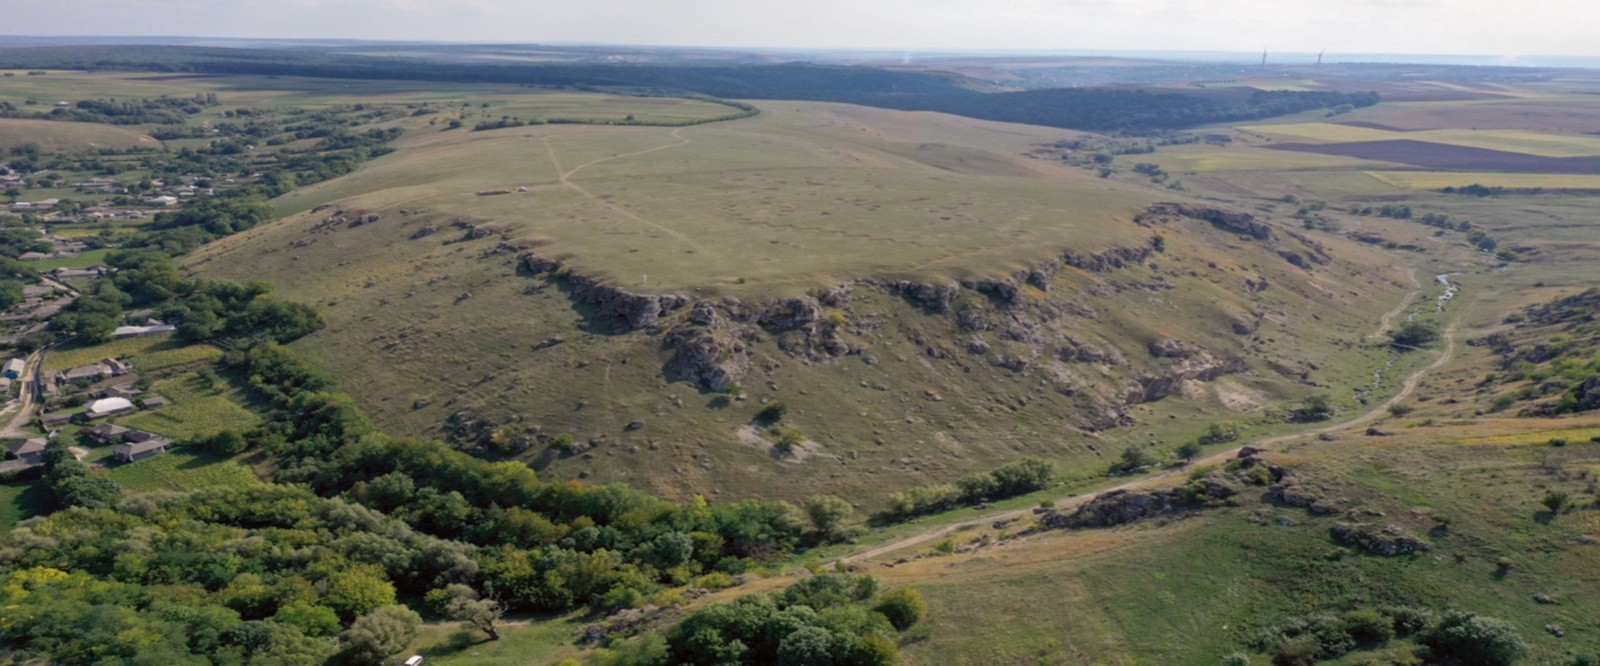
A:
(1489, 27)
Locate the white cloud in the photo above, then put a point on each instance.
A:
(1552, 27)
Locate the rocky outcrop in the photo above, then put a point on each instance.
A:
(1389, 541)
(633, 311)
(932, 297)
(1237, 222)
(713, 359)
(1199, 365)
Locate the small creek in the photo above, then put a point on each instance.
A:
(1450, 291)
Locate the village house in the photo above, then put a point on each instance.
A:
(43, 204)
(133, 331)
(153, 402)
(108, 407)
(26, 453)
(75, 273)
(15, 367)
(33, 256)
(119, 391)
(163, 200)
(85, 374)
(60, 418)
(117, 368)
(139, 450)
(107, 433)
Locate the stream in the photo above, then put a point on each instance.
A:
(1450, 291)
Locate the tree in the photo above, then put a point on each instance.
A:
(359, 590)
(829, 515)
(1313, 408)
(312, 620)
(473, 612)
(806, 646)
(1133, 458)
(376, 635)
(903, 606)
(1414, 334)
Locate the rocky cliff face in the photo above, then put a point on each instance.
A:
(632, 311)
(715, 343)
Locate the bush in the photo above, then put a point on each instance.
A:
(1189, 451)
(1415, 334)
(773, 412)
(1465, 638)
(1236, 659)
(1301, 651)
(1368, 627)
(903, 606)
(1132, 459)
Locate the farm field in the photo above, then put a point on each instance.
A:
(1516, 141)
(1433, 180)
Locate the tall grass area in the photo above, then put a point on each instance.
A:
(197, 408)
(182, 471)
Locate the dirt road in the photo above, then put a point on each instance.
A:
(24, 408)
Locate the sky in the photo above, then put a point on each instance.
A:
(1459, 27)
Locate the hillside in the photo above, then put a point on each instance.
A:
(923, 298)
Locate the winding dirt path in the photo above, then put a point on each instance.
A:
(565, 177)
(1387, 321)
(1170, 476)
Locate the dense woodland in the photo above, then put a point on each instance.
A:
(1094, 109)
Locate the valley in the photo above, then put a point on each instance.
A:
(593, 364)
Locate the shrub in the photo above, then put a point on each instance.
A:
(1301, 651)
(1236, 659)
(1409, 620)
(1415, 334)
(1189, 451)
(903, 606)
(1556, 500)
(1132, 459)
(1368, 627)
(1472, 639)
(1558, 441)
(773, 412)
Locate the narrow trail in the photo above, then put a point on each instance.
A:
(565, 179)
(1387, 321)
(1170, 476)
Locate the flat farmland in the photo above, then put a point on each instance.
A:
(1445, 156)
(1517, 141)
(1433, 180)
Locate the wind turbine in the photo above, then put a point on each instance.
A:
(1263, 57)
(1319, 57)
